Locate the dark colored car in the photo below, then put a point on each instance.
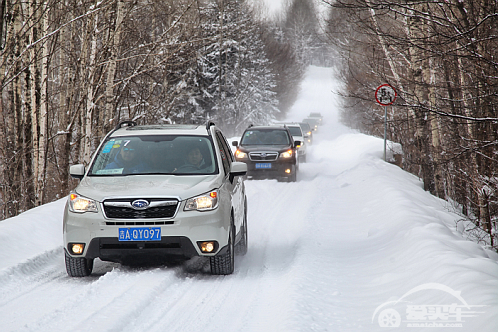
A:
(269, 152)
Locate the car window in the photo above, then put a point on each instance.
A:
(305, 126)
(160, 154)
(224, 152)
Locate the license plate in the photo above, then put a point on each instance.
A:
(263, 165)
(140, 234)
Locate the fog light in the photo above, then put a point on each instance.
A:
(288, 171)
(207, 246)
(77, 248)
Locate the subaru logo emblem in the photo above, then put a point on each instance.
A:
(140, 204)
(263, 155)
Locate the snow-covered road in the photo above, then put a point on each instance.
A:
(324, 253)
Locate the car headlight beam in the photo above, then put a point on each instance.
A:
(206, 202)
(81, 204)
(286, 154)
(240, 155)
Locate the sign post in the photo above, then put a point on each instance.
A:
(385, 95)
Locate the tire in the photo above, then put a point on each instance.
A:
(78, 267)
(293, 176)
(224, 264)
(241, 246)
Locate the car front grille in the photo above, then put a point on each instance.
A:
(122, 209)
(263, 156)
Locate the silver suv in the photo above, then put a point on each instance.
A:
(157, 192)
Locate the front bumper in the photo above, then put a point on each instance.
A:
(179, 235)
(277, 170)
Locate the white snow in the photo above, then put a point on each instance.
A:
(332, 252)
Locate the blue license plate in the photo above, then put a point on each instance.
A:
(140, 234)
(263, 165)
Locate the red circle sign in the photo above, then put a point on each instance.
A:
(385, 94)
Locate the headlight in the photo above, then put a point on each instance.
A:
(81, 204)
(286, 154)
(204, 202)
(241, 155)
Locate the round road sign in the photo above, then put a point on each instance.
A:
(385, 94)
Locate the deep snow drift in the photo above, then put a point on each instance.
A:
(355, 244)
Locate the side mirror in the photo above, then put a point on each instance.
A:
(297, 143)
(77, 171)
(237, 169)
(235, 143)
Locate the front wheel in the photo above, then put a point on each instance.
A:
(224, 264)
(293, 176)
(78, 267)
(241, 246)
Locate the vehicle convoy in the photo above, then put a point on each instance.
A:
(157, 192)
(269, 152)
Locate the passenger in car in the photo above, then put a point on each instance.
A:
(128, 159)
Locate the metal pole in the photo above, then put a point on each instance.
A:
(385, 131)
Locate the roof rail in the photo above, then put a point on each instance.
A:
(127, 123)
(251, 125)
(209, 124)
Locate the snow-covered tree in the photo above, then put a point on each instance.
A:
(238, 88)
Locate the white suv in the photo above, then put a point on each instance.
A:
(157, 192)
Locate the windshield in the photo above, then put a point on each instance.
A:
(296, 131)
(265, 137)
(305, 126)
(310, 121)
(161, 154)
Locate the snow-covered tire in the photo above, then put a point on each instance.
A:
(78, 267)
(293, 176)
(241, 246)
(224, 264)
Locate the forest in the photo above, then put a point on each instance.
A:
(72, 69)
(441, 57)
